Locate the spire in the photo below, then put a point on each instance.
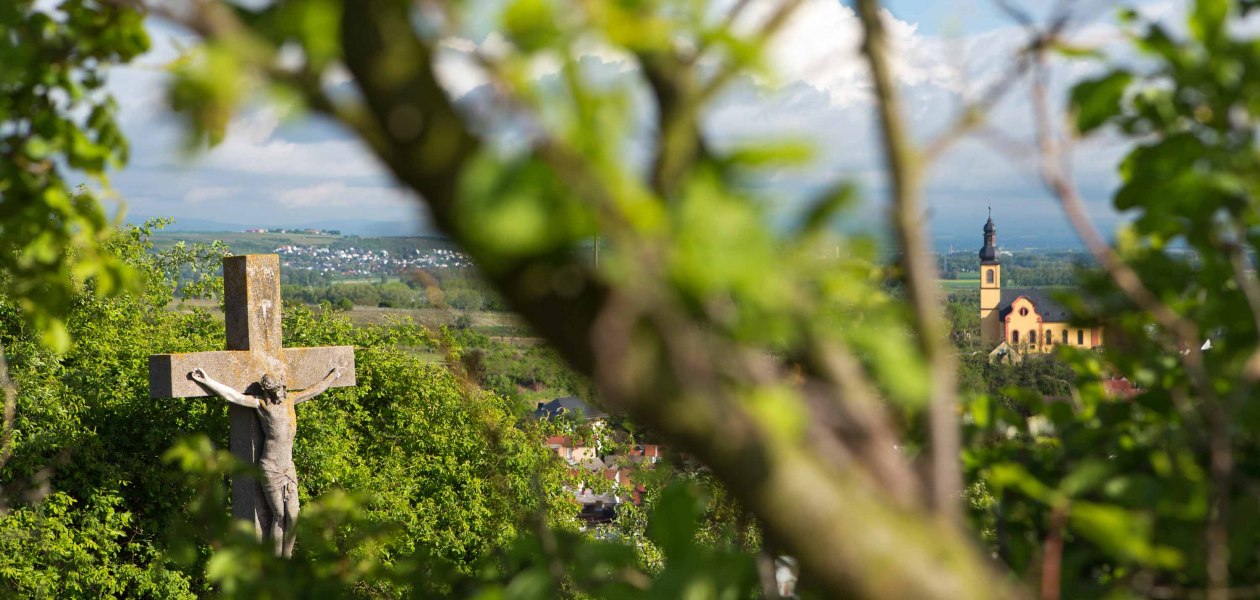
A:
(988, 253)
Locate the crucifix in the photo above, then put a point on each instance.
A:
(253, 375)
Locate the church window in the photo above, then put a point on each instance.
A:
(1032, 337)
(1014, 337)
(1065, 336)
(988, 275)
(1023, 312)
(1080, 337)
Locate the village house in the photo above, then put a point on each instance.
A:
(586, 456)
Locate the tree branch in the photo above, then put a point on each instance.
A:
(918, 270)
(10, 408)
(1185, 333)
(655, 361)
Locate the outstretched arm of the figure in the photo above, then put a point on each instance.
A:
(222, 391)
(318, 388)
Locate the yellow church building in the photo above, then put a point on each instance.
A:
(1023, 320)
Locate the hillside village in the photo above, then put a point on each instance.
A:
(587, 454)
(355, 262)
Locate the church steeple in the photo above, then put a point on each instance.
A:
(988, 253)
(991, 332)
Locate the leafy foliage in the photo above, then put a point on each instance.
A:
(56, 116)
(1151, 495)
(800, 383)
(435, 466)
(525, 373)
(57, 549)
(783, 372)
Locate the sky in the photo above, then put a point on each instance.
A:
(937, 17)
(273, 172)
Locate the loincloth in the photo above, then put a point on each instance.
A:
(283, 481)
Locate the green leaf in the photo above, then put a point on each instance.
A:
(825, 208)
(1071, 51)
(674, 520)
(1207, 20)
(1085, 478)
(980, 410)
(1011, 475)
(1121, 532)
(531, 24)
(1097, 100)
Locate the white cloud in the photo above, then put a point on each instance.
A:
(336, 194)
(280, 157)
(333, 193)
(210, 193)
(272, 171)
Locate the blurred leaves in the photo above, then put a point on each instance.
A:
(1177, 455)
(1097, 100)
(57, 122)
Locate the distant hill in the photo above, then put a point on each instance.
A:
(402, 227)
(951, 231)
(261, 243)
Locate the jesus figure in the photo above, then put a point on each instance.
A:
(274, 408)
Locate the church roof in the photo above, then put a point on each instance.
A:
(1042, 298)
(988, 253)
(570, 405)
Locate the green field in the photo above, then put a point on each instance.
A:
(504, 326)
(496, 322)
(953, 285)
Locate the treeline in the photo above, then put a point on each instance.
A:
(1051, 269)
(523, 373)
(1041, 275)
(305, 277)
(459, 289)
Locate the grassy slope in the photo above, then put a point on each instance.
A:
(499, 324)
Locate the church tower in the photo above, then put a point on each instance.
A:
(990, 287)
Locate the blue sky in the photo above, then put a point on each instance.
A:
(953, 17)
(948, 16)
(273, 172)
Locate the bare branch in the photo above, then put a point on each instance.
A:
(1016, 13)
(918, 270)
(1052, 552)
(1246, 279)
(1056, 178)
(9, 389)
(767, 31)
(654, 361)
(728, 22)
(975, 113)
(850, 408)
(1185, 333)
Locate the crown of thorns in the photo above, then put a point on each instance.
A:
(270, 383)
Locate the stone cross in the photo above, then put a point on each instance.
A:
(251, 285)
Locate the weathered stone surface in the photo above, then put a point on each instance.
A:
(245, 441)
(251, 307)
(252, 315)
(302, 367)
